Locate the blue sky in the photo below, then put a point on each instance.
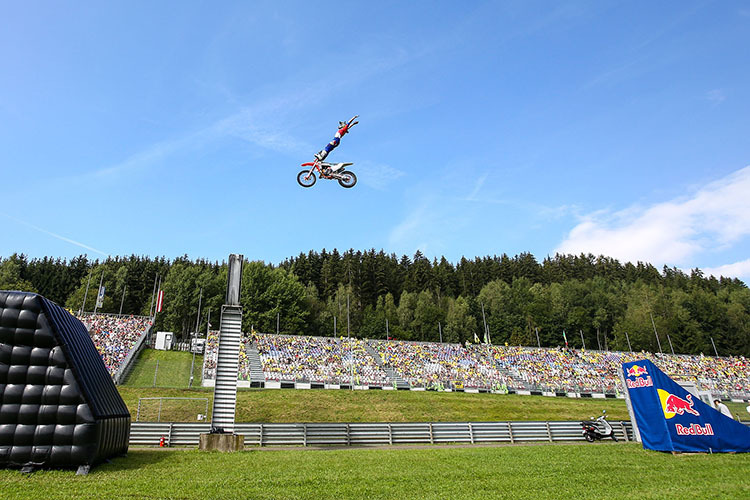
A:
(171, 128)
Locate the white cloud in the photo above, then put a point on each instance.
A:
(378, 175)
(54, 235)
(404, 231)
(739, 269)
(477, 187)
(673, 232)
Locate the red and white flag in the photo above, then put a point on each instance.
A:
(159, 300)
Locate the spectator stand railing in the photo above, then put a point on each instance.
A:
(127, 364)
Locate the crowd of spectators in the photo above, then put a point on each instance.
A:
(318, 359)
(432, 365)
(572, 370)
(453, 366)
(210, 354)
(114, 336)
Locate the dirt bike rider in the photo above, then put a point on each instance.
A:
(343, 129)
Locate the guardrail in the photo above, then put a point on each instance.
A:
(372, 434)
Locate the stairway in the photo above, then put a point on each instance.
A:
(514, 380)
(256, 367)
(227, 364)
(393, 376)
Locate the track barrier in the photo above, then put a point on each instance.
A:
(372, 434)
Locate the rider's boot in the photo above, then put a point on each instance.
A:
(321, 155)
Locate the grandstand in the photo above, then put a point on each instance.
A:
(268, 360)
(116, 337)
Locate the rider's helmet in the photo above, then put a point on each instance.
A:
(341, 124)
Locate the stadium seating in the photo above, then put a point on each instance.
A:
(114, 335)
(438, 366)
(431, 365)
(318, 359)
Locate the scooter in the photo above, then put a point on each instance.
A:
(593, 430)
(332, 171)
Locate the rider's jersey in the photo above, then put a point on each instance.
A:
(340, 132)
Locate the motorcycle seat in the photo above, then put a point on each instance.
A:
(336, 166)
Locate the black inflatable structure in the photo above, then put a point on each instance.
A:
(58, 404)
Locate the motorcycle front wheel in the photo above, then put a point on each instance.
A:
(348, 179)
(306, 178)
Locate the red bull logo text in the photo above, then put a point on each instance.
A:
(637, 371)
(639, 382)
(694, 430)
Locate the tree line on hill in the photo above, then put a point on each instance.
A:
(596, 301)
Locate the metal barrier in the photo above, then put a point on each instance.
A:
(372, 434)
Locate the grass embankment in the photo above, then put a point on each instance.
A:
(165, 369)
(519, 472)
(289, 405)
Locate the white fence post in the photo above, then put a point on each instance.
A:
(510, 431)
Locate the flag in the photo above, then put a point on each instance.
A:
(566, 338)
(100, 297)
(476, 338)
(159, 300)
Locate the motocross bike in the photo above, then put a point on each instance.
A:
(597, 429)
(331, 171)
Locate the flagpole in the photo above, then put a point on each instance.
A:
(712, 343)
(194, 337)
(655, 333)
(153, 294)
(483, 318)
(85, 295)
(123, 298)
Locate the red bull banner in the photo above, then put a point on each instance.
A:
(669, 418)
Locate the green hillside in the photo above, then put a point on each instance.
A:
(289, 405)
(164, 369)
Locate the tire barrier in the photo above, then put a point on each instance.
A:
(58, 404)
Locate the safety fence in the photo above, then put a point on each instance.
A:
(372, 434)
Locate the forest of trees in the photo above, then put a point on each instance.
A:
(517, 297)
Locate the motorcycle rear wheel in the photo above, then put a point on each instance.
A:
(305, 181)
(348, 179)
(589, 437)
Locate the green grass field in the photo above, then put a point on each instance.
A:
(563, 471)
(289, 405)
(165, 369)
